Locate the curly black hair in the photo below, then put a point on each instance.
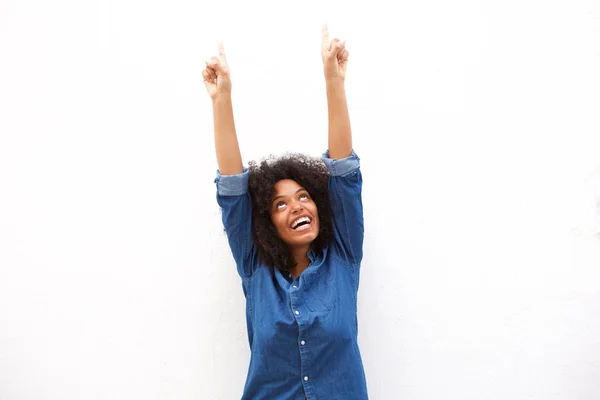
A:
(310, 173)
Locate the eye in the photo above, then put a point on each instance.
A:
(303, 196)
(280, 205)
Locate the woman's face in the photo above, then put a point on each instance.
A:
(294, 214)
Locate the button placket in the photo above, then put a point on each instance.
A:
(304, 350)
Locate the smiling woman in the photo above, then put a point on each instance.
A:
(277, 199)
(295, 229)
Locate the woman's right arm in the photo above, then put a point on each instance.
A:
(218, 84)
(229, 158)
(232, 178)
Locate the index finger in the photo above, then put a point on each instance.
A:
(222, 57)
(325, 35)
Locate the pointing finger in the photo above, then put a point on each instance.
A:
(325, 36)
(222, 57)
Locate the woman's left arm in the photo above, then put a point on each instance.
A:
(335, 60)
(345, 182)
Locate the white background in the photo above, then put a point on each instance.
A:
(477, 124)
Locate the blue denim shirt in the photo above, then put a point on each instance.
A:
(302, 332)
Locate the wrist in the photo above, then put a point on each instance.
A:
(334, 81)
(220, 97)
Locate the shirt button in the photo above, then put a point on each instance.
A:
(303, 343)
(295, 287)
(306, 378)
(297, 312)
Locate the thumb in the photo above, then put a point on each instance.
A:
(337, 46)
(215, 64)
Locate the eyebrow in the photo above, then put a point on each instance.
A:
(281, 195)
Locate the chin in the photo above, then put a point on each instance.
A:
(307, 240)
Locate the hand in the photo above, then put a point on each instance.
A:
(216, 75)
(335, 56)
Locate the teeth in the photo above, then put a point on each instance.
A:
(296, 222)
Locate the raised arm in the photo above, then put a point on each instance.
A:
(335, 60)
(232, 180)
(218, 84)
(345, 179)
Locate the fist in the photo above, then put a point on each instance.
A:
(335, 56)
(216, 75)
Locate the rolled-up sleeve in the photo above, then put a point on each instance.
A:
(232, 185)
(234, 200)
(345, 192)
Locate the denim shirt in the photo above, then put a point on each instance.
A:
(302, 332)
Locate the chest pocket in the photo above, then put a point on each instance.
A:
(320, 291)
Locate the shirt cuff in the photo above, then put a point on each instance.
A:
(232, 185)
(342, 166)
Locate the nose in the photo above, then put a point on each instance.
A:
(297, 207)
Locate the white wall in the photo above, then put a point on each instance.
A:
(477, 124)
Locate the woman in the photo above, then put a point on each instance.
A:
(295, 229)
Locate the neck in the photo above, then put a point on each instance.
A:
(300, 255)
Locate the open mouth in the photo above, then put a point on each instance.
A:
(301, 224)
